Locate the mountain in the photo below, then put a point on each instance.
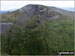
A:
(38, 30)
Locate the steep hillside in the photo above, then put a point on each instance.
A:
(39, 30)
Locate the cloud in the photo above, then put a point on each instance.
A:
(12, 5)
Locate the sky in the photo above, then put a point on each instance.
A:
(13, 5)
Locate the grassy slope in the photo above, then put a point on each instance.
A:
(50, 37)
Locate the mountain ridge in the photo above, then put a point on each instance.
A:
(61, 11)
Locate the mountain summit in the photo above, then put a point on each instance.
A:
(35, 10)
(41, 9)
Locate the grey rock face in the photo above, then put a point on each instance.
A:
(38, 10)
(34, 10)
(30, 11)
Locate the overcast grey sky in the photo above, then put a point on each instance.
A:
(12, 5)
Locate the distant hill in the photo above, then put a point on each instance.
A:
(1, 12)
(70, 9)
